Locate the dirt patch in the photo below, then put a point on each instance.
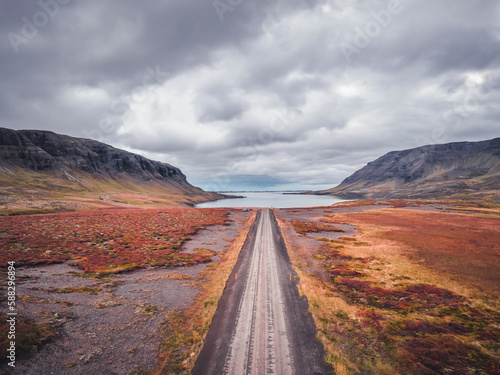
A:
(110, 324)
(217, 238)
(113, 331)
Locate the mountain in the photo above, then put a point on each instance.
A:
(453, 170)
(46, 162)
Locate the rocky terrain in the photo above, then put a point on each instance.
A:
(43, 161)
(458, 170)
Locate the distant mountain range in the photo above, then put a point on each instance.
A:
(43, 160)
(453, 170)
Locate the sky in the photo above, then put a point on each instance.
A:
(254, 94)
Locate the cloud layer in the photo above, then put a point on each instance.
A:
(250, 93)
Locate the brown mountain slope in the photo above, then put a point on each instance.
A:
(454, 170)
(41, 165)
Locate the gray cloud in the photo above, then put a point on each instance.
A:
(265, 89)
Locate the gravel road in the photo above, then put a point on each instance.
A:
(262, 325)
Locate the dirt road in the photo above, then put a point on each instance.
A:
(262, 326)
(106, 199)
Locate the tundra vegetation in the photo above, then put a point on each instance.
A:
(414, 291)
(106, 241)
(101, 243)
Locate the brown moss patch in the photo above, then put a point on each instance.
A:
(308, 226)
(28, 335)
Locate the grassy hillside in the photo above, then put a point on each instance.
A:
(26, 191)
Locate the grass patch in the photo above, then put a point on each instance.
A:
(103, 305)
(70, 289)
(365, 202)
(30, 211)
(148, 310)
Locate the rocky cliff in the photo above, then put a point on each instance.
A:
(462, 169)
(47, 154)
(46, 151)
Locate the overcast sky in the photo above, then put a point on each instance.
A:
(254, 94)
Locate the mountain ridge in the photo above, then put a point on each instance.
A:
(452, 170)
(65, 162)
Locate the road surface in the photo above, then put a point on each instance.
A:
(106, 199)
(262, 326)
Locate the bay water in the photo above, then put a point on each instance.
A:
(272, 200)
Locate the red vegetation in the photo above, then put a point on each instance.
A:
(443, 241)
(344, 271)
(307, 226)
(399, 204)
(434, 354)
(419, 326)
(370, 318)
(106, 240)
(411, 298)
(336, 256)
